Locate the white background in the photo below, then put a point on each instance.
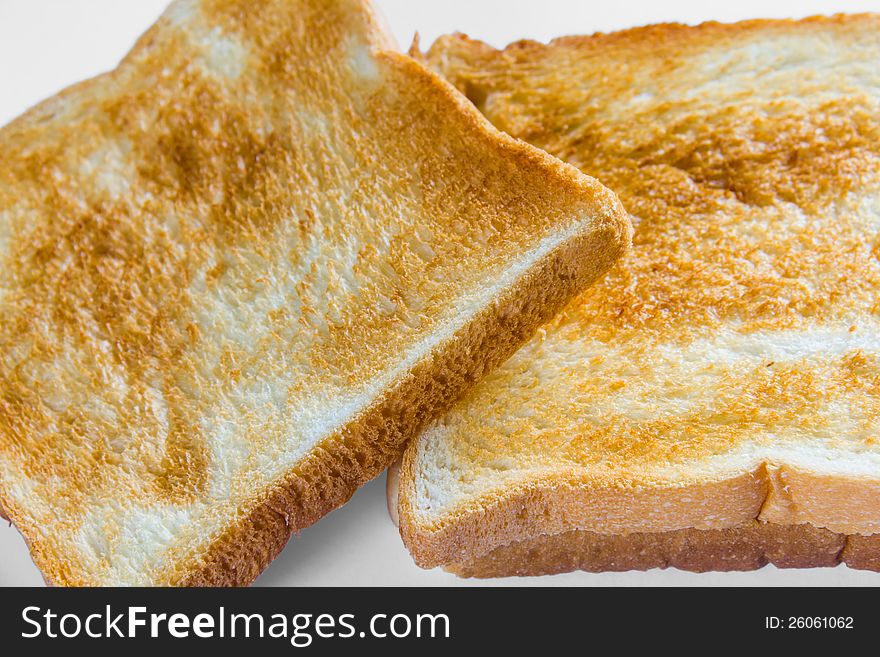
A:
(46, 45)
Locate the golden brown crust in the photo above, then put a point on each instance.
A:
(552, 505)
(538, 507)
(647, 38)
(862, 552)
(748, 546)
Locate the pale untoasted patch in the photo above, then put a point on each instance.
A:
(110, 169)
(21, 488)
(362, 63)
(220, 54)
(181, 12)
(223, 56)
(158, 407)
(132, 551)
(790, 63)
(6, 218)
(314, 125)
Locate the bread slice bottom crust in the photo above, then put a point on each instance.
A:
(748, 546)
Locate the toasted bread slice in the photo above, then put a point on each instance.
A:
(728, 369)
(241, 270)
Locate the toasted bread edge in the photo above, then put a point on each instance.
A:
(644, 36)
(770, 493)
(749, 546)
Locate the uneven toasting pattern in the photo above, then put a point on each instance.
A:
(254, 237)
(742, 332)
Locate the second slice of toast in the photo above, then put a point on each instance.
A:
(714, 403)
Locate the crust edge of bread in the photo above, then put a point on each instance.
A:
(748, 546)
(552, 505)
(647, 35)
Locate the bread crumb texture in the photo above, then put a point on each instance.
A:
(264, 231)
(742, 332)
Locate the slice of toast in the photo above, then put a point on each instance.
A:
(727, 371)
(242, 269)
